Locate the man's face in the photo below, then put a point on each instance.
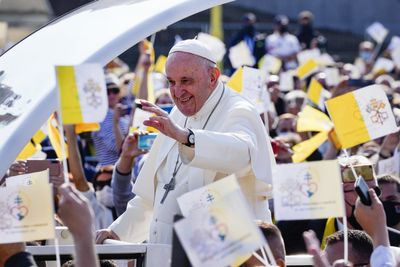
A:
(190, 81)
(350, 195)
(389, 192)
(285, 126)
(335, 252)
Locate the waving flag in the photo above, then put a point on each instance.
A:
(361, 115)
(83, 93)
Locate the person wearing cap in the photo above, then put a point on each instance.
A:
(306, 35)
(365, 59)
(283, 44)
(113, 129)
(212, 132)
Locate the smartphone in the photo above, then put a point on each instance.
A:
(145, 141)
(138, 104)
(54, 166)
(361, 188)
(359, 83)
(126, 110)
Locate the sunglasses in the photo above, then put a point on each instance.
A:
(366, 171)
(114, 91)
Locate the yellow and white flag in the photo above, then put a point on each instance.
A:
(306, 69)
(251, 84)
(29, 179)
(236, 80)
(315, 93)
(33, 147)
(306, 55)
(27, 213)
(304, 149)
(218, 219)
(311, 190)
(383, 65)
(240, 55)
(361, 115)
(83, 93)
(311, 120)
(270, 64)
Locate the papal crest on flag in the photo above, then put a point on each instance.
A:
(361, 115)
(83, 94)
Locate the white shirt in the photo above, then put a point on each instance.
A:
(282, 46)
(102, 215)
(382, 256)
(233, 142)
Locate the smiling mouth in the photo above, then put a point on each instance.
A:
(185, 99)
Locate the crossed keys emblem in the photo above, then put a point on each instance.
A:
(377, 110)
(92, 89)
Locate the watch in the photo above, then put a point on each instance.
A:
(190, 139)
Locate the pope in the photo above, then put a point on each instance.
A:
(211, 133)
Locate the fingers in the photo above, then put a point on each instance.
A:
(104, 234)
(68, 195)
(313, 248)
(19, 167)
(374, 198)
(311, 240)
(157, 122)
(101, 236)
(155, 110)
(147, 106)
(341, 263)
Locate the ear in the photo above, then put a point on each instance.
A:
(214, 75)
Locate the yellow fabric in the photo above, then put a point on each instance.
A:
(275, 65)
(313, 120)
(330, 228)
(54, 136)
(307, 68)
(28, 151)
(39, 136)
(304, 149)
(349, 124)
(32, 146)
(160, 64)
(216, 22)
(69, 97)
(315, 91)
(86, 127)
(148, 46)
(236, 80)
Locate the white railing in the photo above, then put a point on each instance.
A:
(148, 255)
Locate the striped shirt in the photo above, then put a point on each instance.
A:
(107, 152)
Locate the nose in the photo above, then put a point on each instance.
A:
(178, 90)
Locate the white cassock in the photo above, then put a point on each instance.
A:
(234, 141)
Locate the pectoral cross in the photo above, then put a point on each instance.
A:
(168, 187)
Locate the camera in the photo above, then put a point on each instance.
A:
(361, 188)
(145, 141)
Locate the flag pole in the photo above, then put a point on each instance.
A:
(345, 227)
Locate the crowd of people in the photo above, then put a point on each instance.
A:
(130, 194)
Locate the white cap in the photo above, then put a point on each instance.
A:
(194, 47)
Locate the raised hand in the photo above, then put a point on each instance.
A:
(163, 123)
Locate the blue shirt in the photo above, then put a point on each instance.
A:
(107, 152)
